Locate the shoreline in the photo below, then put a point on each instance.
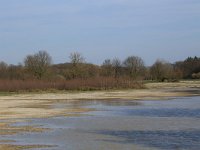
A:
(19, 107)
(41, 105)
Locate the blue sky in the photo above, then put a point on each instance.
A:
(100, 29)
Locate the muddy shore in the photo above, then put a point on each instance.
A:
(16, 108)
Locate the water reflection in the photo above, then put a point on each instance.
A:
(167, 140)
(121, 124)
(104, 102)
(94, 103)
(166, 112)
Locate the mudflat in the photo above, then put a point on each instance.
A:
(40, 105)
(17, 107)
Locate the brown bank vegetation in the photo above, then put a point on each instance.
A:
(37, 72)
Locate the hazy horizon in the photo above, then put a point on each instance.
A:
(165, 29)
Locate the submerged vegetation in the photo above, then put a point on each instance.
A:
(37, 72)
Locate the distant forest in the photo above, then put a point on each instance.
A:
(39, 73)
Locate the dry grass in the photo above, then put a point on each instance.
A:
(75, 84)
(173, 85)
(21, 147)
(26, 106)
(6, 129)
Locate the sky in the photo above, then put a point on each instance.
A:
(100, 29)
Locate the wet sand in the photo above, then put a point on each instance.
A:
(17, 108)
(35, 105)
(116, 125)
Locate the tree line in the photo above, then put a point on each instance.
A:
(112, 73)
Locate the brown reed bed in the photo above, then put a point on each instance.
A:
(98, 83)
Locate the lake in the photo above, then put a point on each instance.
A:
(119, 124)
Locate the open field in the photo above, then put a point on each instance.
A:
(17, 107)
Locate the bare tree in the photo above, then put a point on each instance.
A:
(3, 69)
(161, 70)
(3, 65)
(116, 63)
(135, 66)
(106, 68)
(76, 58)
(77, 61)
(38, 63)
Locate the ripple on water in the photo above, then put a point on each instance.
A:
(167, 140)
(171, 124)
(165, 112)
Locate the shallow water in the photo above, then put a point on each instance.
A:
(120, 124)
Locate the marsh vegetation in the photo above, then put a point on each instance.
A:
(37, 72)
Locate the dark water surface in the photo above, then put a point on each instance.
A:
(121, 124)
